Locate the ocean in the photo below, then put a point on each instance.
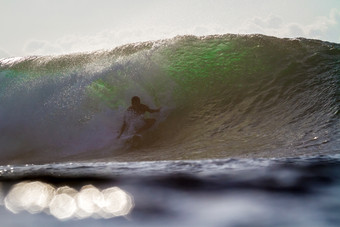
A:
(247, 135)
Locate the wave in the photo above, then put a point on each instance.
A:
(220, 96)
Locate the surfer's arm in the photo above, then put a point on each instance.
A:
(153, 110)
(122, 129)
(145, 108)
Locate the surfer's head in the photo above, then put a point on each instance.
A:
(135, 100)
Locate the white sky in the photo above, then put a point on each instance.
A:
(44, 27)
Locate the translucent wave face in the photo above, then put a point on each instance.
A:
(220, 97)
(68, 203)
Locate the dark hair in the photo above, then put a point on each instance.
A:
(135, 100)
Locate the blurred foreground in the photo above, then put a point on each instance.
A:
(231, 192)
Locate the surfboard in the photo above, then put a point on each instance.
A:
(133, 141)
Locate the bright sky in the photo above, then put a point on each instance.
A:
(45, 27)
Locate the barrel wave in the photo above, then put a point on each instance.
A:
(220, 96)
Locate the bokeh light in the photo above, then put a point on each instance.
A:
(33, 197)
(68, 203)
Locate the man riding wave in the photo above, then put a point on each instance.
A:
(134, 120)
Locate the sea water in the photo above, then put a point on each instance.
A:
(247, 135)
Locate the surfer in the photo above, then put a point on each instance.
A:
(134, 117)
